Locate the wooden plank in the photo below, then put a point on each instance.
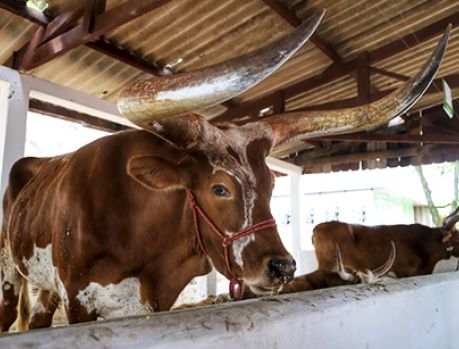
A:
(87, 120)
(62, 23)
(103, 46)
(103, 23)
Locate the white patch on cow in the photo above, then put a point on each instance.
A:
(445, 265)
(392, 274)
(42, 272)
(114, 300)
(10, 275)
(38, 308)
(239, 245)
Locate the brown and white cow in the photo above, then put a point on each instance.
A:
(419, 248)
(120, 226)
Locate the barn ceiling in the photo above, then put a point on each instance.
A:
(361, 50)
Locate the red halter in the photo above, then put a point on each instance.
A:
(226, 241)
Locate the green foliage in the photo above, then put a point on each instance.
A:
(452, 168)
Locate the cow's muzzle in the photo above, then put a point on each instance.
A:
(282, 270)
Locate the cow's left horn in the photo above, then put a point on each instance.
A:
(146, 100)
(452, 219)
(385, 268)
(343, 274)
(303, 125)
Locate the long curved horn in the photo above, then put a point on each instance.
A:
(452, 219)
(385, 268)
(146, 100)
(303, 125)
(343, 274)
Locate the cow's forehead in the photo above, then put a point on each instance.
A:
(227, 147)
(227, 150)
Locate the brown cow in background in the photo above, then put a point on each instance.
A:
(419, 248)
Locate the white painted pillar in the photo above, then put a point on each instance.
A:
(14, 104)
(212, 283)
(296, 194)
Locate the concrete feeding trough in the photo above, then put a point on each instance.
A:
(420, 312)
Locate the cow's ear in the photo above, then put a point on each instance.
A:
(158, 174)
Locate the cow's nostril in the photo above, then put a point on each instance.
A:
(282, 268)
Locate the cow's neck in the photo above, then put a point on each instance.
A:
(183, 261)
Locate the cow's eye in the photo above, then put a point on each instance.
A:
(220, 190)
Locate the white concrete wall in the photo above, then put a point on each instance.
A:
(408, 313)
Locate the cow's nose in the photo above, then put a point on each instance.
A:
(282, 269)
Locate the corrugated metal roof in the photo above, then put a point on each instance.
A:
(205, 32)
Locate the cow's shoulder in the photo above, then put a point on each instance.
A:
(22, 172)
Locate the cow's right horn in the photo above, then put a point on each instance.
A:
(292, 126)
(144, 101)
(452, 219)
(384, 269)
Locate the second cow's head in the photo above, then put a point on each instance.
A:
(224, 165)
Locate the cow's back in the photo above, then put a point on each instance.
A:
(368, 247)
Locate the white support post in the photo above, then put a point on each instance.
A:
(14, 104)
(212, 283)
(294, 173)
(295, 197)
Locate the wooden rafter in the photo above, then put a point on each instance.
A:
(363, 79)
(92, 28)
(326, 48)
(103, 46)
(19, 8)
(291, 18)
(341, 69)
(396, 138)
(389, 74)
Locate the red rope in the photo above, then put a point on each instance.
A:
(226, 241)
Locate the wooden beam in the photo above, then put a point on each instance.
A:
(361, 156)
(279, 105)
(339, 70)
(363, 78)
(25, 55)
(394, 138)
(389, 74)
(294, 21)
(19, 8)
(400, 153)
(103, 46)
(57, 111)
(102, 24)
(61, 23)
